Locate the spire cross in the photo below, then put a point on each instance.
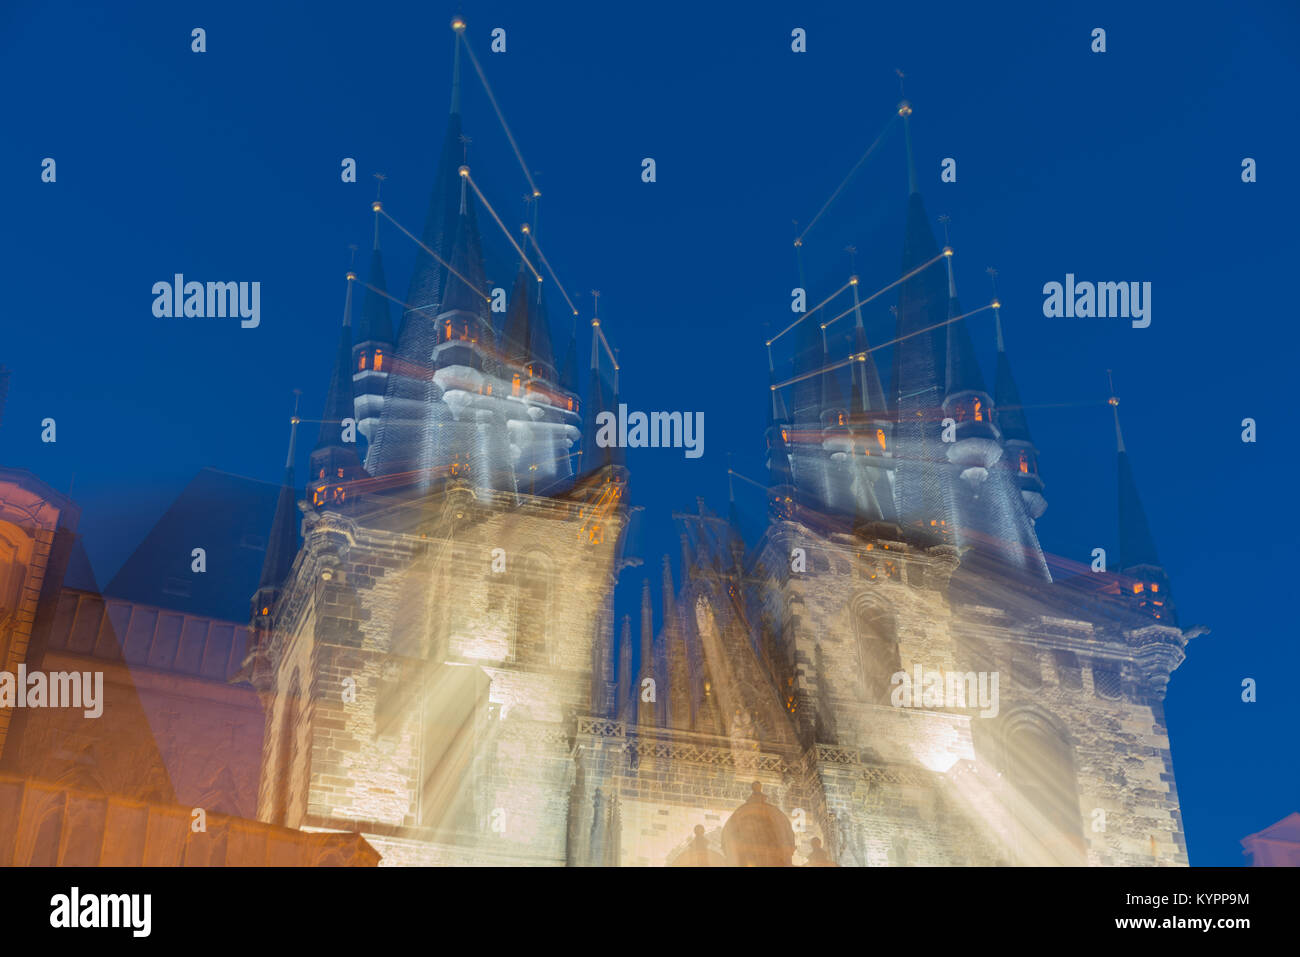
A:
(945, 219)
(853, 258)
(465, 141)
(380, 185)
(595, 303)
(293, 429)
(352, 259)
(997, 308)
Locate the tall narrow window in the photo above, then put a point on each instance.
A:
(979, 411)
(361, 362)
(1041, 768)
(379, 359)
(533, 611)
(1024, 463)
(877, 636)
(288, 752)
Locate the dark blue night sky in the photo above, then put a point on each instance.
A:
(1117, 166)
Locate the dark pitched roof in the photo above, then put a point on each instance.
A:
(1136, 544)
(963, 370)
(569, 371)
(376, 323)
(1006, 402)
(338, 398)
(922, 304)
(541, 344)
(808, 355)
(868, 396)
(516, 333)
(282, 543)
(225, 515)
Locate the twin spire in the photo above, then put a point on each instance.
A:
(282, 543)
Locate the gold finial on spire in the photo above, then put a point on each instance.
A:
(376, 205)
(293, 429)
(997, 307)
(905, 111)
(904, 108)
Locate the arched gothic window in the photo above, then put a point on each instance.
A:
(1040, 765)
(877, 636)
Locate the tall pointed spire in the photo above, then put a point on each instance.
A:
(780, 475)
(1145, 582)
(922, 485)
(679, 677)
(623, 694)
(282, 543)
(338, 401)
(376, 323)
(963, 370)
(540, 342)
(867, 393)
(516, 334)
(406, 439)
(1136, 544)
(451, 231)
(646, 668)
(281, 548)
(457, 25)
(334, 460)
(808, 359)
(526, 337)
(372, 356)
(834, 412)
(569, 370)
(1009, 413)
(1006, 395)
(599, 400)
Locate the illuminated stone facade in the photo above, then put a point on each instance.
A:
(434, 667)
